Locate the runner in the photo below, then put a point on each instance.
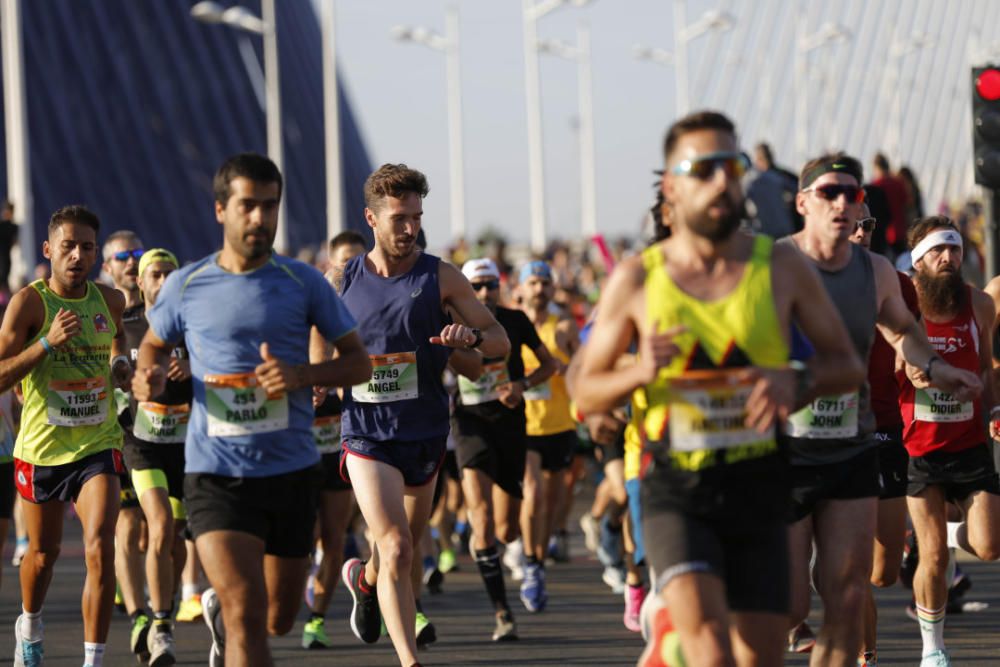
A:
(62, 339)
(9, 418)
(833, 451)
(396, 422)
(712, 309)
(336, 501)
(489, 426)
(890, 529)
(551, 430)
(122, 251)
(950, 459)
(154, 455)
(252, 478)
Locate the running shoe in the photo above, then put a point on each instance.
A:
(212, 612)
(533, 588)
(591, 532)
(314, 634)
(138, 636)
(160, 644)
(426, 634)
(609, 550)
(119, 600)
(614, 577)
(513, 559)
(938, 658)
(558, 549)
(26, 654)
(365, 616)
(20, 548)
(189, 610)
(663, 647)
(634, 597)
(447, 561)
(433, 578)
(506, 629)
(314, 562)
(868, 659)
(801, 639)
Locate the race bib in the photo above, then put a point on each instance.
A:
(540, 392)
(78, 402)
(326, 432)
(826, 417)
(394, 378)
(709, 412)
(161, 423)
(236, 405)
(934, 405)
(487, 387)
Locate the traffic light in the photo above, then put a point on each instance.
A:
(986, 125)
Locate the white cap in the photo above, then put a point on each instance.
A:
(476, 269)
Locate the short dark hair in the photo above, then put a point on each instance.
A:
(921, 227)
(699, 120)
(74, 214)
(254, 166)
(347, 237)
(394, 180)
(764, 150)
(881, 161)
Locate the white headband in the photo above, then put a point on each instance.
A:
(934, 239)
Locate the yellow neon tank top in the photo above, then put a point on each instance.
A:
(696, 407)
(546, 407)
(69, 410)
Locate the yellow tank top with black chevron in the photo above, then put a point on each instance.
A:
(697, 405)
(69, 410)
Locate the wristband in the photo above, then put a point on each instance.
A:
(46, 344)
(927, 367)
(119, 358)
(803, 379)
(479, 339)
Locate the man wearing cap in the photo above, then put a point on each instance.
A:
(945, 434)
(489, 428)
(831, 446)
(154, 456)
(550, 426)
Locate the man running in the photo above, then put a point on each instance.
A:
(950, 457)
(154, 456)
(711, 308)
(489, 426)
(832, 449)
(62, 339)
(395, 421)
(250, 460)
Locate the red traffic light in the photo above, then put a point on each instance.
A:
(988, 85)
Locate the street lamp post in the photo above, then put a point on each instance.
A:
(449, 45)
(828, 33)
(580, 54)
(16, 126)
(331, 122)
(241, 18)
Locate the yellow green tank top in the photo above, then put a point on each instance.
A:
(696, 407)
(68, 399)
(546, 406)
(633, 435)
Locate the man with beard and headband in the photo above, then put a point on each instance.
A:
(831, 443)
(395, 423)
(711, 308)
(945, 434)
(251, 466)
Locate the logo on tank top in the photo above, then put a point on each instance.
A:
(101, 323)
(21, 479)
(415, 293)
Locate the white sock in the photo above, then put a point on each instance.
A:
(931, 629)
(952, 528)
(188, 591)
(31, 625)
(949, 572)
(93, 654)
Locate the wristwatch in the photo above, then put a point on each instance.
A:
(479, 339)
(927, 367)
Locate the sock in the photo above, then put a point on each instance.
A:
(931, 629)
(93, 654)
(429, 563)
(136, 614)
(529, 559)
(419, 607)
(488, 562)
(31, 625)
(161, 621)
(461, 527)
(435, 533)
(313, 615)
(952, 528)
(188, 591)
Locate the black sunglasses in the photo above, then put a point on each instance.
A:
(123, 255)
(867, 225)
(831, 192)
(489, 284)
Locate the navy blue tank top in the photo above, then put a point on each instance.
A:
(405, 398)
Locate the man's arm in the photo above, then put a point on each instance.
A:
(25, 314)
(150, 377)
(121, 372)
(350, 366)
(457, 293)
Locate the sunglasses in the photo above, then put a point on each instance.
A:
(853, 193)
(867, 225)
(704, 167)
(123, 255)
(489, 284)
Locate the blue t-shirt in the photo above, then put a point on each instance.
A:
(223, 318)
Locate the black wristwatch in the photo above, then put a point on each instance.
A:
(479, 339)
(927, 367)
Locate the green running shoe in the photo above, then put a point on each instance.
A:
(447, 561)
(426, 634)
(314, 635)
(138, 636)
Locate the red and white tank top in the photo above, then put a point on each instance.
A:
(934, 420)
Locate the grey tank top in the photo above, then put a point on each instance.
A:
(854, 293)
